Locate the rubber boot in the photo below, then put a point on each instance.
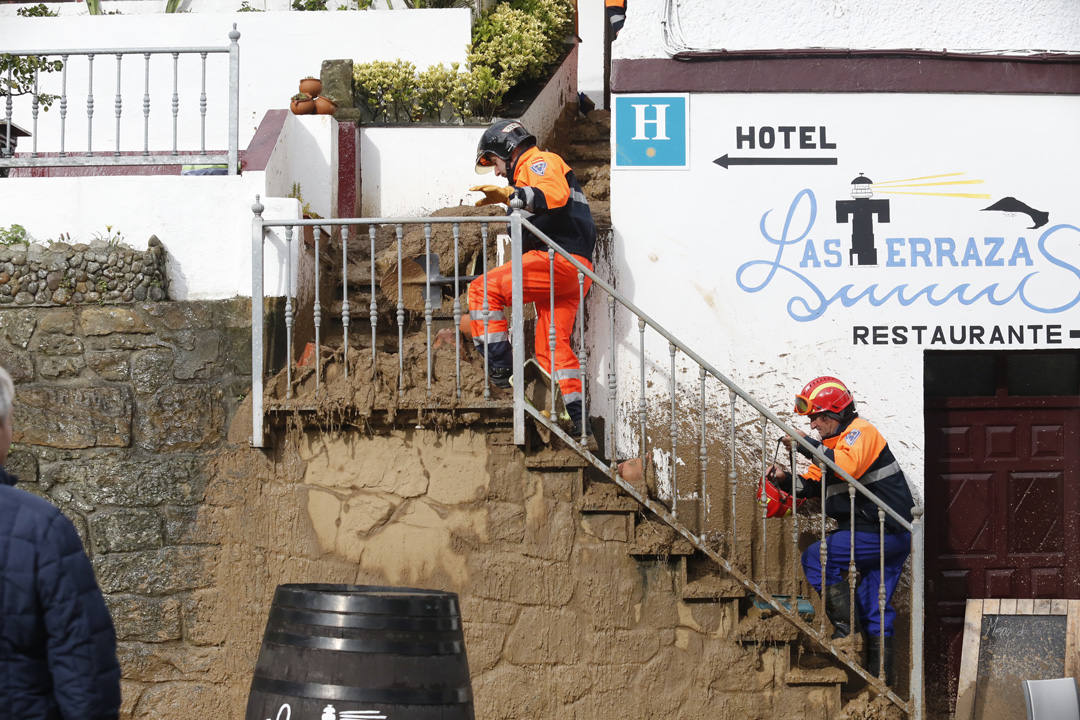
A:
(838, 609)
(575, 409)
(874, 656)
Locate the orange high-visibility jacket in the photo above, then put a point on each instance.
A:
(554, 202)
(861, 450)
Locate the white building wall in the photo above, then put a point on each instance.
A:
(961, 25)
(705, 250)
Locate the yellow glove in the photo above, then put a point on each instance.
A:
(493, 194)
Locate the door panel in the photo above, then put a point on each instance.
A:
(1002, 489)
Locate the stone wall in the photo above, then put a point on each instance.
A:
(119, 412)
(99, 272)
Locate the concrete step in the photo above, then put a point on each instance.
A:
(653, 538)
(606, 498)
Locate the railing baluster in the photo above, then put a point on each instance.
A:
(611, 450)
(427, 299)
(674, 439)
(644, 440)
(703, 461)
(90, 106)
(202, 106)
(795, 555)
(317, 313)
(584, 357)
(763, 499)
(918, 540)
(146, 104)
(823, 552)
(7, 107)
(34, 113)
(63, 105)
(551, 332)
(345, 296)
(456, 229)
(288, 310)
(400, 317)
(175, 98)
(373, 305)
(485, 311)
(851, 557)
(880, 669)
(119, 102)
(732, 479)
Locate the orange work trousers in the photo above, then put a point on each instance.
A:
(536, 288)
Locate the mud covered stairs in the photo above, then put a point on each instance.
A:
(698, 580)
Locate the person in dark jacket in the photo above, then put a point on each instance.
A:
(57, 642)
(857, 447)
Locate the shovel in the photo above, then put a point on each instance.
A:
(417, 275)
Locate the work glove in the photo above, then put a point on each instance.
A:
(493, 194)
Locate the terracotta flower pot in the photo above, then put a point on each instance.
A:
(311, 86)
(302, 104)
(324, 106)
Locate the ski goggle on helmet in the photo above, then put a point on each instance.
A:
(825, 394)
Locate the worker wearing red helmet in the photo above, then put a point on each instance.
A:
(554, 202)
(857, 447)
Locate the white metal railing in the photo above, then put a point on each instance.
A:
(121, 153)
(725, 546)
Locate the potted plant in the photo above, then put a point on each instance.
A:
(324, 105)
(311, 85)
(302, 104)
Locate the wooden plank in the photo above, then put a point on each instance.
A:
(969, 661)
(1059, 607)
(1072, 639)
(1025, 606)
(991, 606)
(1008, 607)
(1042, 607)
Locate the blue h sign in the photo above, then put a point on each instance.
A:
(651, 131)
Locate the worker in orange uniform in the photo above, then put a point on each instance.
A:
(856, 446)
(555, 204)
(616, 15)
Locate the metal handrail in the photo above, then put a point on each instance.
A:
(118, 156)
(518, 223)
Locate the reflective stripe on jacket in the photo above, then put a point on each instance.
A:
(554, 203)
(862, 451)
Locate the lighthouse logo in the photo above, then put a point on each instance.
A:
(331, 713)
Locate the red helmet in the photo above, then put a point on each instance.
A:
(824, 394)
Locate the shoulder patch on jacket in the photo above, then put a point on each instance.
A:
(539, 167)
(852, 436)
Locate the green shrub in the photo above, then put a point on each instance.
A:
(22, 69)
(515, 41)
(39, 10)
(13, 235)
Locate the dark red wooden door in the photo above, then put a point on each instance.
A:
(1002, 503)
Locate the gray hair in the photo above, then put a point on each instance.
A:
(7, 395)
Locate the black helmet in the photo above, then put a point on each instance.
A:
(500, 140)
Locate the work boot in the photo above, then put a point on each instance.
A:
(574, 409)
(874, 657)
(500, 376)
(838, 609)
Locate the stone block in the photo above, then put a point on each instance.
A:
(53, 368)
(92, 417)
(200, 615)
(178, 316)
(549, 530)
(506, 522)
(200, 362)
(113, 479)
(56, 344)
(614, 527)
(201, 525)
(337, 81)
(543, 635)
(180, 417)
(56, 321)
(484, 644)
(169, 662)
(156, 572)
(18, 326)
(151, 369)
(18, 363)
(519, 579)
(147, 619)
(109, 365)
(23, 464)
(111, 319)
(126, 530)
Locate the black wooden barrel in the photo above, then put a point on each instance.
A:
(361, 652)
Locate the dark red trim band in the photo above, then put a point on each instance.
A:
(912, 71)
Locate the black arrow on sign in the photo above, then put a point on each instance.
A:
(724, 161)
